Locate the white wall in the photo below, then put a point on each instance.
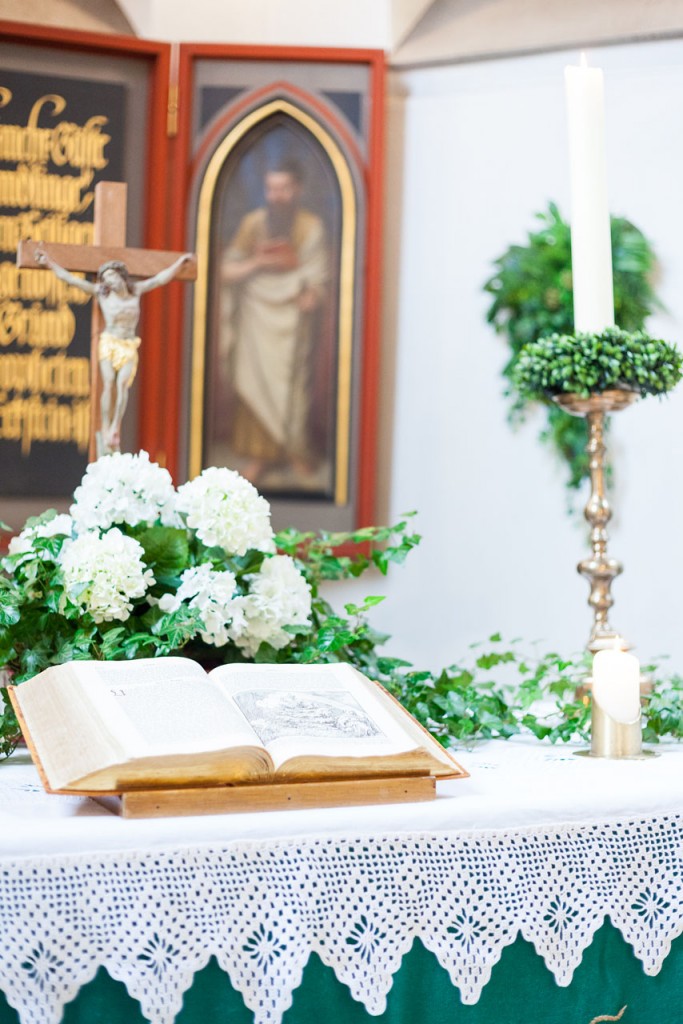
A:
(456, 29)
(475, 149)
(358, 23)
(380, 24)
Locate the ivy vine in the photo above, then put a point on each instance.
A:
(497, 691)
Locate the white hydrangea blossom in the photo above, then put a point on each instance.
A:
(103, 574)
(278, 596)
(124, 488)
(212, 593)
(226, 511)
(59, 526)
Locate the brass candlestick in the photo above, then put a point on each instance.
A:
(599, 569)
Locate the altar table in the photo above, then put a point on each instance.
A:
(544, 888)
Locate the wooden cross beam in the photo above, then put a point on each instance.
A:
(109, 244)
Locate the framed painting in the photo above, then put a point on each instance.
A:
(283, 209)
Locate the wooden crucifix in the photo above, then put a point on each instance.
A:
(114, 344)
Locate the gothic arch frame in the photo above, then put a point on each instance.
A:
(257, 114)
(302, 74)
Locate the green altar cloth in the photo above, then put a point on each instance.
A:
(521, 991)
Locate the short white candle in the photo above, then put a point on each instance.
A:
(590, 222)
(616, 684)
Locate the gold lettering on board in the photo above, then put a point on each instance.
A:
(44, 391)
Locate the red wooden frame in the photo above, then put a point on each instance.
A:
(153, 411)
(182, 168)
(166, 197)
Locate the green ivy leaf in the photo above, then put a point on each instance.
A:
(166, 550)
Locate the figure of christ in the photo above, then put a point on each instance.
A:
(119, 300)
(275, 269)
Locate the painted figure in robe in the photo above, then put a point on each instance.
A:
(274, 273)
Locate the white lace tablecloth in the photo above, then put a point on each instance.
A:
(536, 843)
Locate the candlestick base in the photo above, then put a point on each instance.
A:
(644, 755)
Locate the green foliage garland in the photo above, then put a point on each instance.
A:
(472, 701)
(40, 626)
(532, 297)
(588, 363)
(499, 692)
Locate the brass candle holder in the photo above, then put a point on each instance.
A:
(599, 568)
(613, 739)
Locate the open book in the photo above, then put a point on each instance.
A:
(112, 727)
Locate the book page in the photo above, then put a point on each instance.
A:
(163, 706)
(65, 734)
(327, 711)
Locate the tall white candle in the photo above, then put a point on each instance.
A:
(616, 684)
(590, 224)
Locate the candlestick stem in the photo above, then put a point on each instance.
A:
(599, 568)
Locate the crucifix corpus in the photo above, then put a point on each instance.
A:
(114, 342)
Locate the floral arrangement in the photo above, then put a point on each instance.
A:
(588, 363)
(140, 569)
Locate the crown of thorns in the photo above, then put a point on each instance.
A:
(116, 265)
